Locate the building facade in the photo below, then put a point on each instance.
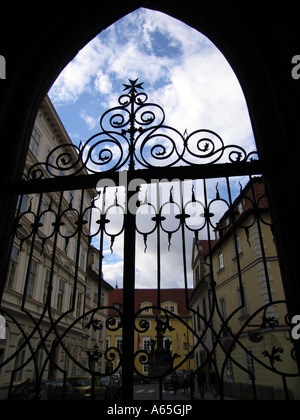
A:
(49, 288)
(239, 300)
(174, 319)
(200, 301)
(95, 338)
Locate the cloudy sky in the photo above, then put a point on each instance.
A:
(184, 73)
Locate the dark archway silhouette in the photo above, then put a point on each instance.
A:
(259, 45)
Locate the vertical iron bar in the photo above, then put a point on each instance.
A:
(158, 210)
(102, 229)
(80, 226)
(182, 221)
(214, 304)
(129, 271)
(128, 303)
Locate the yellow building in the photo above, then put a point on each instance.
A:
(250, 346)
(174, 318)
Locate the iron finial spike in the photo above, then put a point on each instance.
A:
(133, 86)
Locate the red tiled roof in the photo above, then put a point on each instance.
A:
(150, 295)
(258, 188)
(253, 194)
(205, 245)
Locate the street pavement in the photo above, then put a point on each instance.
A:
(144, 392)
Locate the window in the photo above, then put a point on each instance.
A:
(46, 285)
(71, 297)
(223, 307)
(78, 306)
(145, 368)
(147, 343)
(24, 204)
(31, 279)
(236, 245)
(82, 258)
(229, 370)
(88, 288)
(96, 293)
(250, 365)
(242, 300)
(60, 295)
(19, 360)
(75, 249)
(220, 261)
(167, 342)
(12, 268)
(42, 214)
(34, 142)
(119, 343)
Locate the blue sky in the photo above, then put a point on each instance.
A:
(182, 71)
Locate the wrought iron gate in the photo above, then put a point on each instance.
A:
(143, 183)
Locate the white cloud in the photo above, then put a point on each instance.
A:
(76, 79)
(90, 121)
(113, 273)
(103, 83)
(171, 269)
(204, 93)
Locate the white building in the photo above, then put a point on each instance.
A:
(48, 290)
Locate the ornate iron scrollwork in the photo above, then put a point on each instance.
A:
(159, 357)
(135, 134)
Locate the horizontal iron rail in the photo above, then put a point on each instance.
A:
(145, 176)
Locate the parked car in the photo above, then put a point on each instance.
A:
(84, 385)
(57, 390)
(47, 390)
(26, 391)
(113, 388)
(169, 383)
